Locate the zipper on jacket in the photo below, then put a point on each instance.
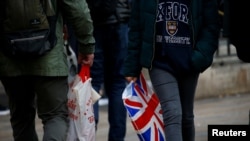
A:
(191, 24)
(27, 39)
(152, 59)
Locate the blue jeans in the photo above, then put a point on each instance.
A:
(111, 49)
(176, 95)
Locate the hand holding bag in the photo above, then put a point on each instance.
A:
(80, 104)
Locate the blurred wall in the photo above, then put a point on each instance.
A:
(226, 76)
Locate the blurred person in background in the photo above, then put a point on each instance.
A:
(231, 23)
(110, 19)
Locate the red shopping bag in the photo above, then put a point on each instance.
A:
(144, 110)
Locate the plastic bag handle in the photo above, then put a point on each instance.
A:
(84, 72)
(65, 32)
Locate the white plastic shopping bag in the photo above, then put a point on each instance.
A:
(80, 104)
(144, 110)
(73, 77)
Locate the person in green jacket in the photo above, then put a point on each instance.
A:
(176, 41)
(40, 85)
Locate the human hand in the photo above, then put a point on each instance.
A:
(131, 78)
(85, 59)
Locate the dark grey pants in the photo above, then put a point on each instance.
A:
(45, 95)
(176, 96)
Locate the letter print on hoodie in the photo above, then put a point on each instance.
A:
(173, 36)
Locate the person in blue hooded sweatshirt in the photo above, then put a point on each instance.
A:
(176, 41)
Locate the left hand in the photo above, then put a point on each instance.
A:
(130, 78)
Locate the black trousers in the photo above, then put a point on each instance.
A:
(46, 96)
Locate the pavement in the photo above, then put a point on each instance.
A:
(223, 110)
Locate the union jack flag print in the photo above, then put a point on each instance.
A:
(144, 110)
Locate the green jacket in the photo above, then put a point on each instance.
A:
(54, 63)
(204, 25)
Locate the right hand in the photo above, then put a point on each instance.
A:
(85, 59)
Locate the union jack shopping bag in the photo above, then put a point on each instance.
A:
(144, 110)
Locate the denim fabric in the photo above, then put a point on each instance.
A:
(110, 51)
(176, 95)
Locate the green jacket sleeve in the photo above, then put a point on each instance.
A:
(81, 22)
